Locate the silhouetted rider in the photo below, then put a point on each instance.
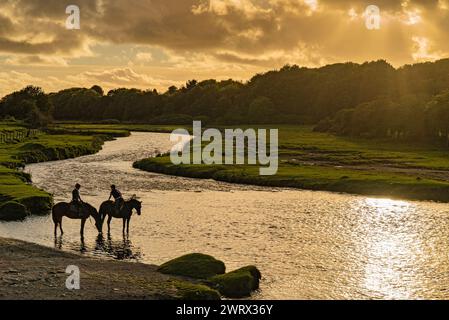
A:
(76, 198)
(117, 195)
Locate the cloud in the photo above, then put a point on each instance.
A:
(115, 78)
(119, 78)
(11, 81)
(225, 35)
(35, 60)
(248, 26)
(423, 50)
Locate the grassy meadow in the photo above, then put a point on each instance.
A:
(321, 161)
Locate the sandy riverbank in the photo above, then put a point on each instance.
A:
(30, 271)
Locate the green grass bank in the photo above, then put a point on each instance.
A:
(18, 198)
(320, 161)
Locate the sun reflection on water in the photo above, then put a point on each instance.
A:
(388, 205)
(391, 247)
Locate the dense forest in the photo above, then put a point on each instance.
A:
(370, 100)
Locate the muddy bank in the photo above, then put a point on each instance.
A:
(30, 271)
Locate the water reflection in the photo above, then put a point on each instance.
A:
(118, 249)
(391, 246)
(387, 206)
(122, 249)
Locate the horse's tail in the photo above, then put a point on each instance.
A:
(102, 211)
(57, 212)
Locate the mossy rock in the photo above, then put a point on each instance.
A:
(239, 283)
(191, 291)
(37, 205)
(195, 265)
(13, 211)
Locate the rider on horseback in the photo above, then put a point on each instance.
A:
(76, 198)
(117, 195)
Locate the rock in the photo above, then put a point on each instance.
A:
(195, 265)
(191, 291)
(239, 283)
(14, 271)
(13, 211)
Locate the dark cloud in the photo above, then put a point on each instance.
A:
(265, 33)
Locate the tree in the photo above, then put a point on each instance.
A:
(437, 111)
(30, 104)
(172, 90)
(261, 110)
(98, 90)
(191, 84)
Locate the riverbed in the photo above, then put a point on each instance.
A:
(308, 245)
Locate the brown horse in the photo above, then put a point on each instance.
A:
(62, 209)
(109, 208)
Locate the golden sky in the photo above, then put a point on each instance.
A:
(157, 43)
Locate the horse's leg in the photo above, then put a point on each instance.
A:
(124, 222)
(60, 227)
(56, 229)
(109, 224)
(83, 222)
(127, 225)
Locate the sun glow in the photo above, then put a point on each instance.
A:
(388, 205)
(313, 4)
(352, 13)
(413, 17)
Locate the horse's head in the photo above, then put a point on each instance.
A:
(97, 217)
(136, 204)
(99, 224)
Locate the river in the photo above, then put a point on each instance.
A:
(308, 245)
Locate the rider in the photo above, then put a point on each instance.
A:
(76, 198)
(117, 195)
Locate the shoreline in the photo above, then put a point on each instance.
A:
(248, 175)
(33, 272)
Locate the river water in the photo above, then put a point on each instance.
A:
(308, 245)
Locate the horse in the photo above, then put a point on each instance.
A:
(109, 208)
(62, 209)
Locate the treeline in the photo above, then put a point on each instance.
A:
(371, 99)
(291, 95)
(405, 118)
(417, 108)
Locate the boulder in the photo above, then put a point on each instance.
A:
(192, 291)
(13, 211)
(237, 284)
(195, 265)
